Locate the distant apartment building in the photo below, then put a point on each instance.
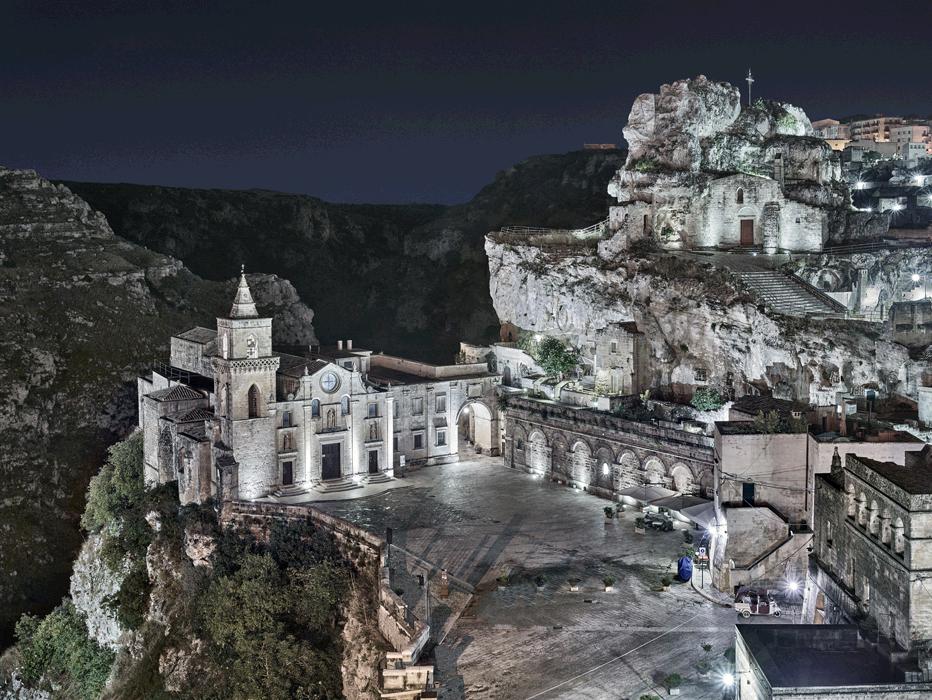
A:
(874, 128)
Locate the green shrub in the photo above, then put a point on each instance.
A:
(674, 680)
(707, 399)
(117, 488)
(130, 603)
(57, 651)
(608, 580)
(555, 358)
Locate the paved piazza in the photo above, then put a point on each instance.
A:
(479, 520)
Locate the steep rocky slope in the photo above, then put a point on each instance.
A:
(83, 312)
(695, 317)
(409, 279)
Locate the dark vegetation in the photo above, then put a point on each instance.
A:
(268, 612)
(407, 279)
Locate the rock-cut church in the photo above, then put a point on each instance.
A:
(231, 418)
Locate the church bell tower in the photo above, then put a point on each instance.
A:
(244, 384)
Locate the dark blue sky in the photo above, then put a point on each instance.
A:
(407, 101)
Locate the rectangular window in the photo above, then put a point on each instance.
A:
(373, 410)
(441, 438)
(700, 374)
(286, 419)
(614, 346)
(394, 409)
(441, 403)
(348, 365)
(418, 441)
(395, 443)
(417, 406)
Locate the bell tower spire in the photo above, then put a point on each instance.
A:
(243, 304)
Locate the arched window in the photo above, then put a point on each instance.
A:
(899, 538)
(739, 196)
(254, 401)
(315, 408)
(873, 521)
(885, 529)
(344, 405)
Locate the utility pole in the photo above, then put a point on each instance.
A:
(749, 79)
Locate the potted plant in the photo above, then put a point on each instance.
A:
(665, 583)
(609, 512)
(673, 683)
(539, 582)
(609, 582)
(639, 526)
(574, 585)
(503, 580)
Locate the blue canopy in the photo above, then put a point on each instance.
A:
(684, 568)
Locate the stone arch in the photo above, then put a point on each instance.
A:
(682, 478)
(862, 509)
(885, 528)
(739, 196)
(852, 502)
(899, 536)
(706, 483)
(629, 467)
(603, 460)
(873, 518)
(654, 471)
(537, 456)
(254, 401)
(582, 462)
(477, 425)
(559, 456)
(315, 408)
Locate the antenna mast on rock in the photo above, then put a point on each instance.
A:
(749, 79)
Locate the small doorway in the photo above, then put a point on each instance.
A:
(287, 473)
(373, 461)
(747, 231)
(330, 461)
(747, 493)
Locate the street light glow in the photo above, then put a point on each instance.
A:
(915, 277)
(728, 679)
(792, 586)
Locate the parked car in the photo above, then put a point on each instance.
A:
(751, 602)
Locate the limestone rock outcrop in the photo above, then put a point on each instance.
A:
(92, 582)
(701, 167)
(697, 318)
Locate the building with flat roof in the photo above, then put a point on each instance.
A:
(797, 662)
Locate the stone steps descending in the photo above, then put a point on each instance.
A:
(380, 478)
(788, 294)
(337, 485)
(293, 490)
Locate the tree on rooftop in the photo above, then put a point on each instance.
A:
(555, 358)
(707, 398)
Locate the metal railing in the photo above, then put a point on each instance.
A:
(597, 229)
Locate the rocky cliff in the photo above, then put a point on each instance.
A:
(697, 318)
(84, 311)
(408, 279)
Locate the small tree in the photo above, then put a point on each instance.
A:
(707, 398)
(674, 680)
(555, 358)
(768, 422)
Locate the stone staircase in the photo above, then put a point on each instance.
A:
(380, 478)
(293, 490)
(789, 295)
(337, 485)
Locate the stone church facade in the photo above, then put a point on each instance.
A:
(230, 417)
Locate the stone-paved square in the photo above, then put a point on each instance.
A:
(512, 639)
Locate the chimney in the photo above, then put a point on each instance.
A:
(349, 344)
(339, 345)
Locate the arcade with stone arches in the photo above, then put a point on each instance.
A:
(478, 428)
(605, 466)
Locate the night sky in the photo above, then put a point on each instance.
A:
(407, 101)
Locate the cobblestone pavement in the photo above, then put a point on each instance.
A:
(481, 521)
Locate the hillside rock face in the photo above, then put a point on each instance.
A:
(695, 317)
(84, 312)
(409, 279)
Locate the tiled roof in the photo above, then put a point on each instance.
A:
(178, 392)
(195, 414)
(293, 365)
(198, 334)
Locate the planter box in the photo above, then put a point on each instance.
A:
(609, 589)
(674, 691)
(574, 587)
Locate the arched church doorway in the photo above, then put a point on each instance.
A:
(476, 429)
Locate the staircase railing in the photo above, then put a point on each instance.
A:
(594, 231)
